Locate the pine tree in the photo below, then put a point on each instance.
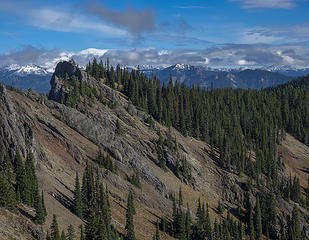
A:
(92, 227)
(31, 184)
(258, 219)
(39, 211)
(156, 236)
(71, 233)
(82, 236)
(43, 204)
(47, 235)
(188, 224)
(54, 230)
(77, 199)
(180, 200)
(129, 218)
(63, 237)
(251, 225)
(307, 194)
(295, 233)
(20, 177)
(7, 194)
(208, 229)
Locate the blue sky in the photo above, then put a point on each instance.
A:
(215, 33)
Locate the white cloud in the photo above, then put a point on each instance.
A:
(252, 37)
(65, 22)
(93, 51)
(288, 59)
(243, 62)
(256, 55)
(266, 3)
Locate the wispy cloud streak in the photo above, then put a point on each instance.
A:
(266, 3)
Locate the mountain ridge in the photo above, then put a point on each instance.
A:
(37, 77)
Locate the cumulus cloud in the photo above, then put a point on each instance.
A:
(135, 21)
(266, 3)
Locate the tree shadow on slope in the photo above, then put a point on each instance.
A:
(64, 200)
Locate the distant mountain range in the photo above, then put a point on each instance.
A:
(38, 78)
(27, 76)
(218, 78)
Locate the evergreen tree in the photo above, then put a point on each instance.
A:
(251, 225)
(77, 198)
(258, 219)
(20, 177)
(295, 232)
(82, 236)
(62, 237)
(39, 211)
(43, 204)
(7, 194)
(156, 236)
(71, 233)
(307, 194)
(31, 184)
(47, 235)
(54, 229)
(129, 218)
(188, 224)
(92, 227)
(180, 200)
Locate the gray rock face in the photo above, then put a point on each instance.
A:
(98, 124)
(62, 70)
(14, 132)
(68, 69)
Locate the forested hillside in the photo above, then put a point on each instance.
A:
(121, 156)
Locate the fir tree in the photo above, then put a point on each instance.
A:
(7, 194)
(307, 194)
(82, 236)
(180, 200)
(251, 225)
(20, 177)
(92, 227)
(47, 235)
(295, 232)
(39, 211)
(62, 237)
(258, 219)
(31, 184)
(54, 229)
(156, 236)
(188, 224)
(71, 233)
(43, 204)
(129, 218)
(77, 198)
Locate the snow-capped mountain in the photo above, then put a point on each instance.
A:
(27, 76)
(38, 77)
(207, 77)
(28, 69)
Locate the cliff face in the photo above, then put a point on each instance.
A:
(65, 138)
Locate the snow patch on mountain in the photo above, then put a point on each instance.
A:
(28, 70)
